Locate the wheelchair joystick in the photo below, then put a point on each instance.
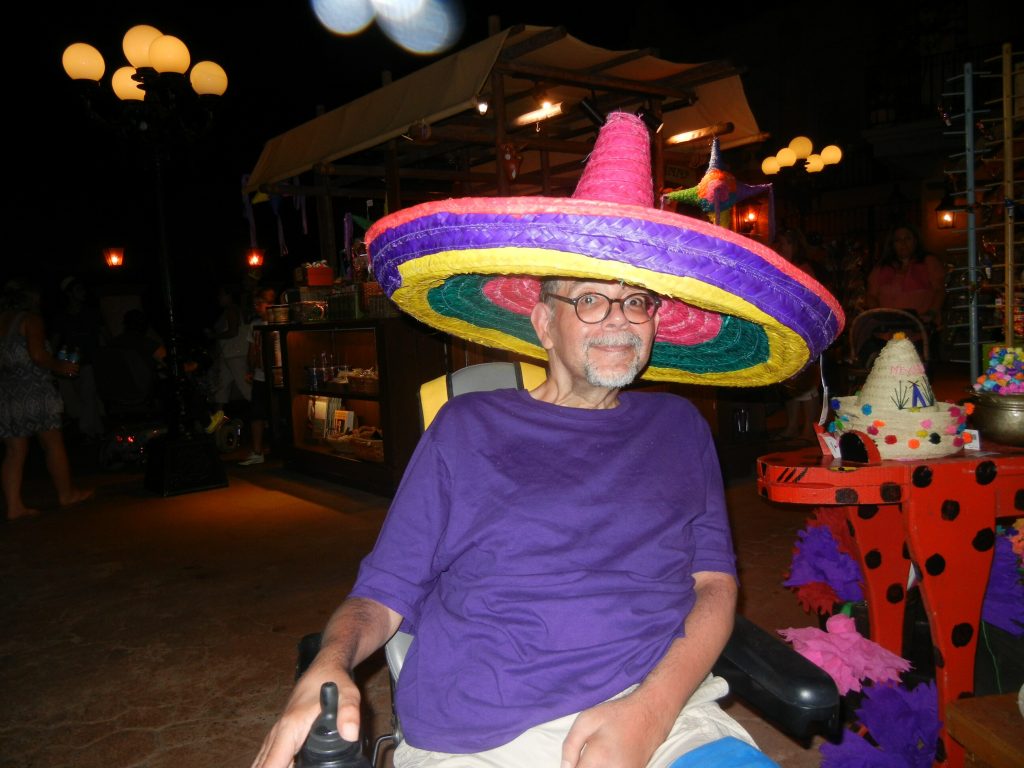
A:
(324, 747)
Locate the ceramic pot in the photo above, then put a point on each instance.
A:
(1000, 418)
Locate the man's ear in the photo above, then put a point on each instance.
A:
(541, 317)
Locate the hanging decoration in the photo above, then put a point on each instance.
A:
(718, 192)
(511, 161)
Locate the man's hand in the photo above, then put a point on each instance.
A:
(623, 733)
(289, 732)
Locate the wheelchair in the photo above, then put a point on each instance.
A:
(764, 672)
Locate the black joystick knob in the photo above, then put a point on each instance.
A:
(324, 747)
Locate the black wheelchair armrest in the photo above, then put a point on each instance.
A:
(767, 674)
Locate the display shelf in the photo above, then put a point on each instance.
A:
(379, 414)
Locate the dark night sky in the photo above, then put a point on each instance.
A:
(76, 187)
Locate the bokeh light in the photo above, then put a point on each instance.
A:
(344, 17)
(418, 26)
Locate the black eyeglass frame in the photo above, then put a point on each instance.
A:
(608, 310)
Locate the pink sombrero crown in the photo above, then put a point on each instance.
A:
(735, 313)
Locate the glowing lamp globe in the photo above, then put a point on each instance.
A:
(831, 154)
(769, 166)
(136, 43)
(254, 257)
(801, 147)
(814, 164)
(168, 54)
(785, 157)
(83, 62)
(208, 79)
(125, 88)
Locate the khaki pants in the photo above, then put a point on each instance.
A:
(701, 722)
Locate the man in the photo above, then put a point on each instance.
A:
(257, 376)
(562, 556)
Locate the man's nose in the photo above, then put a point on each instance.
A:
(616, 313)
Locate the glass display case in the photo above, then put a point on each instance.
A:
(347, 395)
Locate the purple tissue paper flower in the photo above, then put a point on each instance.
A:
(818, 558)
(1004, 597)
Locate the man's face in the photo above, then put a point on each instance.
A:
(607, 354)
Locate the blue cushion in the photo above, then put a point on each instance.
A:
(729, 751)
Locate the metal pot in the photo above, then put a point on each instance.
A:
(1000, 418)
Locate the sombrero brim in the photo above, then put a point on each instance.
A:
(737, 313)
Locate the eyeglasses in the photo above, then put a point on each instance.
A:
(638, 308)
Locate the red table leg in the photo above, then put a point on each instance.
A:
(951, 535)
(883, 561)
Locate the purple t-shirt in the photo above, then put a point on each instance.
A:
(542, 556)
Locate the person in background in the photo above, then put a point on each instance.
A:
(231, 335)
(258, 410)
(137, 336)
(908, 277)
(79, 330)
(29, 401)
(801, 393)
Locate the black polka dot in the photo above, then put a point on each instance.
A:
(935, 565)
(940, 662)
(962, 634)
(873, 559)
(1018, 499)
(985, 472)
(950, 509)
(894, 594)
(984, 540)
(940, 750)
(867, 511)
(891, 492)
(934, 438)
(922, 476)
(846, 496)
(906, 551)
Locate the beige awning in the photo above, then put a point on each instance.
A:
(443, 96)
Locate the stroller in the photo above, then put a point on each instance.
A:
(869, 332)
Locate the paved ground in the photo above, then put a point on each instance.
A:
(161, 632)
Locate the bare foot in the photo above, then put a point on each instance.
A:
(77, 497)
(14, 514)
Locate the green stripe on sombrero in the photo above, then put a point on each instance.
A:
(462, 296)
(786, 352)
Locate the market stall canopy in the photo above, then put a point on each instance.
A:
(425, 130)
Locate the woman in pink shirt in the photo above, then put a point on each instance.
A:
(907, 277)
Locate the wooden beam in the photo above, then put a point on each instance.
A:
(585, 80)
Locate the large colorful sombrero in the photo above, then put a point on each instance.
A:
(735, 313)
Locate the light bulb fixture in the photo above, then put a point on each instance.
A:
(802, 147)
(813, 164)
(770, 166)
(945, 211)
(786, 157)
(481, 105)
(114, 257)
(831, 154)
(547, 110)
(254, 257)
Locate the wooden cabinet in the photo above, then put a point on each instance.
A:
(361, 372)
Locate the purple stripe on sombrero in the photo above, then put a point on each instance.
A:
(655, 246)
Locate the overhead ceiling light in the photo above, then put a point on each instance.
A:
(718, 129)
(481, 105)
(547, 110)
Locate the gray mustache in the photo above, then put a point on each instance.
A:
(615, 339)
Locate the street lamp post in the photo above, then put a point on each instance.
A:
(161, 101)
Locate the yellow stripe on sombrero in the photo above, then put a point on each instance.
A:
(788, 352)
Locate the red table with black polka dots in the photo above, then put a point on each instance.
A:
(939, 513)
